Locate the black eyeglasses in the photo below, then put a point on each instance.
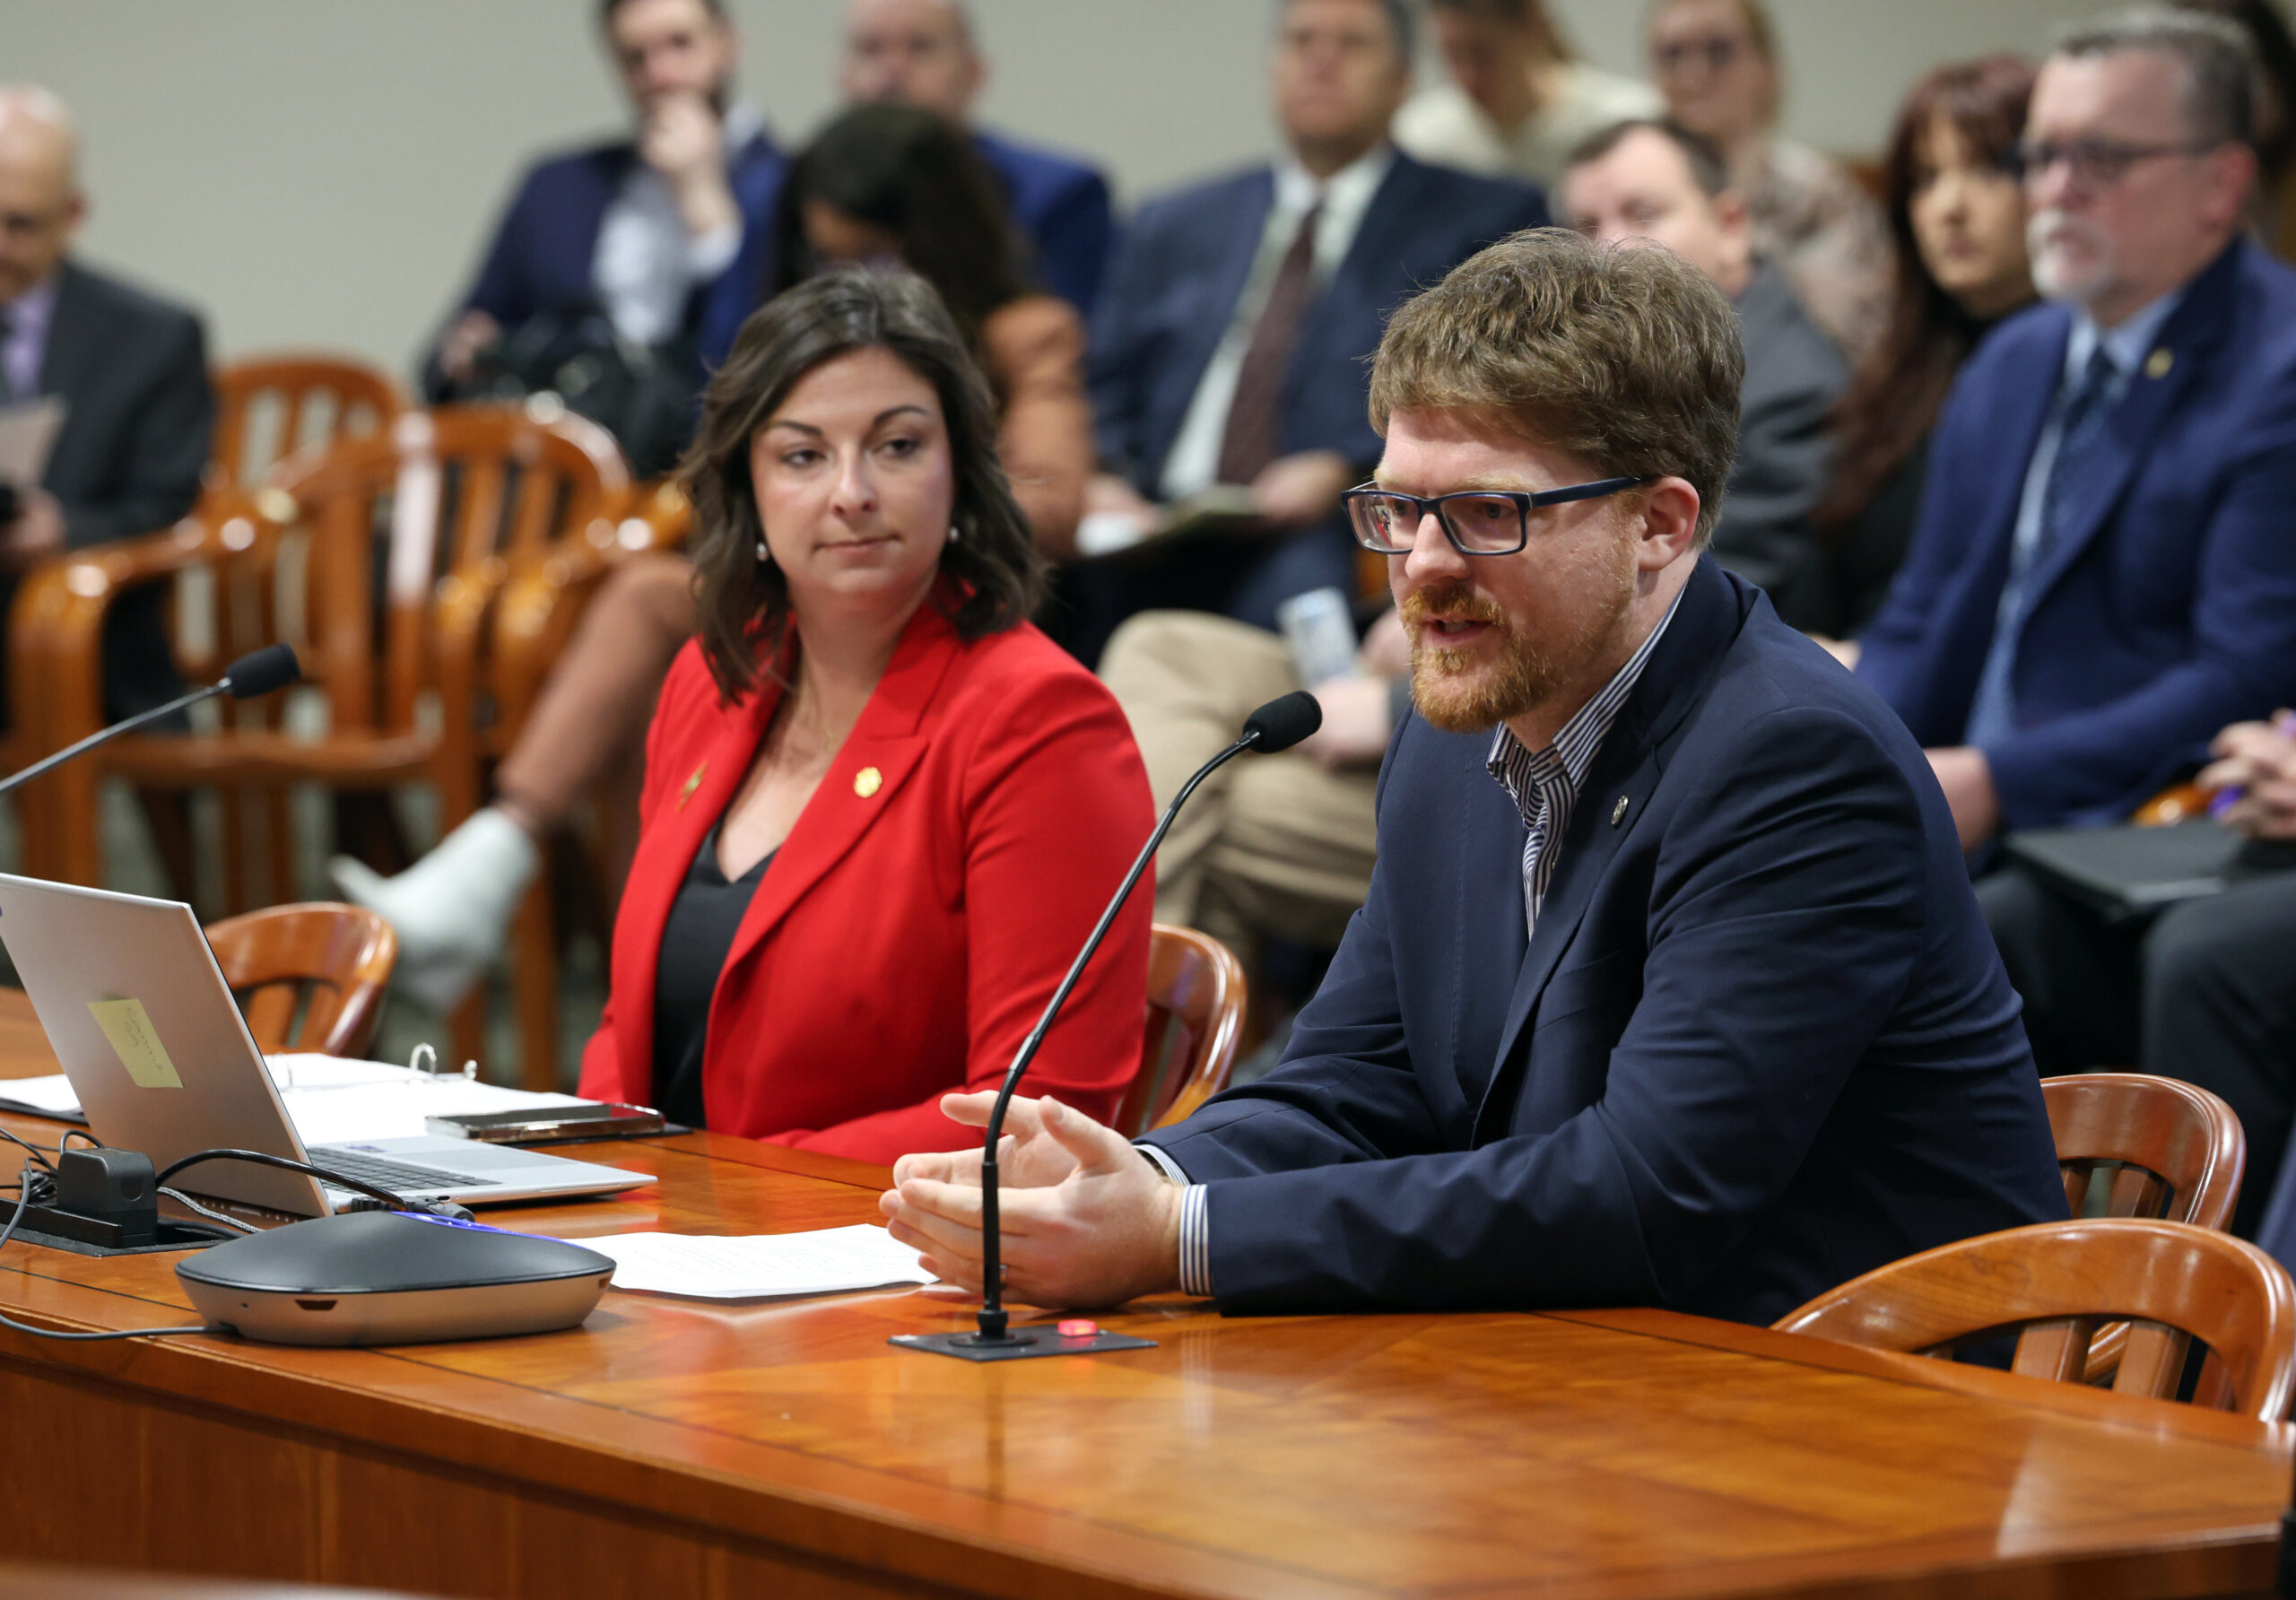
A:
(2095, 163)
(1477, 521)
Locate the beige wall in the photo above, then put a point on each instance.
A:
(322, 172)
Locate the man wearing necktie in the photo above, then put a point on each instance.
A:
(131, 370)
(1233, 342)
(2104, 574)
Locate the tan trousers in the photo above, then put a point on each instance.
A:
(1271, 845)
(588, 727)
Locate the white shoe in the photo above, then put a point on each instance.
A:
(452, 908)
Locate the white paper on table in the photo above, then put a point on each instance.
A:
(52, 1096)
(331, 1100)
(28, 432)
(758, 1266)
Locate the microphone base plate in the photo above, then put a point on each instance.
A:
(1021, 1345)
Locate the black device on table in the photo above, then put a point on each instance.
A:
(551, 1125)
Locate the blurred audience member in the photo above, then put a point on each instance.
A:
(665, 230)
(1280, 846)
(2217, 984)
(1716, 62)
(897, 183)
(131, 371)
(882, 183)
(924, 53)
(2103, 576)
(2274, 134)
(2206, 991)
(1233, 344)
(1658, 182)
(1957, 216)
(1517, 101)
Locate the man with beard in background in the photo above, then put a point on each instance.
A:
(2103, 575)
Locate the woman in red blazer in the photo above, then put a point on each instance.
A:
(882, 811)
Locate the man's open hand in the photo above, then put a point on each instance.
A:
(1086, 1220)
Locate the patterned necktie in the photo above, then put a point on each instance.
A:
(2080, 439)
(1251, 439)
(2081, 442)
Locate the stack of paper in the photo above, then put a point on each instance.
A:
(759, 1266)
(332, 1101)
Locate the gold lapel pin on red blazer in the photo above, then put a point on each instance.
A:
(691, 784)
(867, 781)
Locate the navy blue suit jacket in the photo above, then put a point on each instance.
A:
(1183, 265)
(1761, 1043)
(1062, 206)
(540, 260)
(2168, 607)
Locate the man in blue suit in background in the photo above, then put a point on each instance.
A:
(1670, 989)
(668, 231)
(1232, 344)
(2105, 571)
(923, 52)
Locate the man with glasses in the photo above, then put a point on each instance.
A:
(2103, 575)
(131, 373)
(1670, 989)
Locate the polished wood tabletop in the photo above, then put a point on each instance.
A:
(675, 1446)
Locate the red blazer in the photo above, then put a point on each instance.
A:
(911, 928)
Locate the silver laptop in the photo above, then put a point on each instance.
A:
(138, 1012)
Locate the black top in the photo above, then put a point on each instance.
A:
(695, 943)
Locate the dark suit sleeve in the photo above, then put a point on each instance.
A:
(1075, 237)
(2242, 660)
(501, 290)
(163, 447)
(1785, 453)
(1787, 917)
(1117, 363)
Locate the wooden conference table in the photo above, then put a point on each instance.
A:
(671, 1448)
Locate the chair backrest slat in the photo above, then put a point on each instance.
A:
(327, 962)
(2178, 1149)
(1196, 1013)
(2055, 1283)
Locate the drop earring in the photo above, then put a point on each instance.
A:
(764, 556)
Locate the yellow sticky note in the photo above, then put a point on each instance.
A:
(129, 1028)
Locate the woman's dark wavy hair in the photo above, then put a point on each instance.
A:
(1896, 398)
(915, 175)
(993, 576)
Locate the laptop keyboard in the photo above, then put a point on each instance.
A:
(394, 1176)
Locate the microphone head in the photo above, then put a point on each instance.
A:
(1282, 723)
(263, 672)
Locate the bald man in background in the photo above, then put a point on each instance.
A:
(924, 53)
(131, 370)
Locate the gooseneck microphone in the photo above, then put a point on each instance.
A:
(259, 672)
(1278, 724)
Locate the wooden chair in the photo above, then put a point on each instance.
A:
(309, 976)
(267, 408)
(2056, 1283)
(1196, 1017)
(383, 556)
(2135, 1145)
